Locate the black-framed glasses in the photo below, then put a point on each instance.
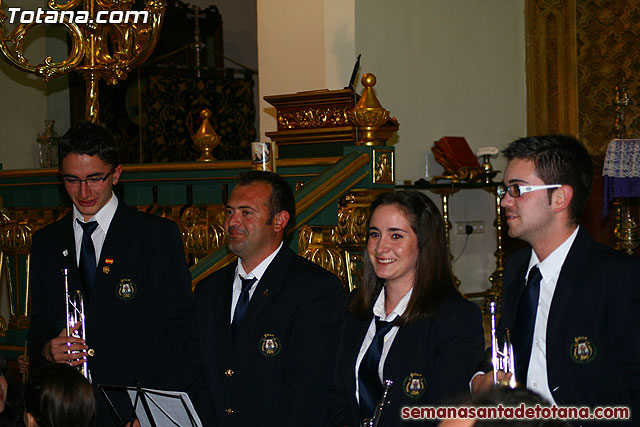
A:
(517, 190)
(94, 181)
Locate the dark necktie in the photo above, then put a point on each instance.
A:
(241, 305)
(525, 324)
(87, 256)
(369, 384)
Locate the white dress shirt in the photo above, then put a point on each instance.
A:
(103, 217)
(257, 272)
(550, 269)
(378, 310)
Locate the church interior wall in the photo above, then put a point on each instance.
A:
(456, 69)
(443, 68)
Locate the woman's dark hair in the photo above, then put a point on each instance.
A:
(57, 395)
(434, 278)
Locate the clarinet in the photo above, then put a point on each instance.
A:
(377, 413)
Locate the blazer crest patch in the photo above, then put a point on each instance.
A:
(414, 385)
(582, 350)
(127, 289)
(269, 345)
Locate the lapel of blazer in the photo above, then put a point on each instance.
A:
(401, 343)
(269, 286)
(569, 281)
(356, 334)
(221, 304)
(67, 245)
(512, 290)
(113, 244)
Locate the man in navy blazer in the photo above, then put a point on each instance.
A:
(581, 346)
(268, 324)
(138, 304)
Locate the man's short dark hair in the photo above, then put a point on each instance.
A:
(558, 159)
(90, 139)
(281, 198)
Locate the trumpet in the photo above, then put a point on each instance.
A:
(501, 360)
(75, 315)
(377, 413)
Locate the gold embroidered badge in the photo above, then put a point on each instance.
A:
(126, 289)
(414, 385)
(269, 345)
(582, 350)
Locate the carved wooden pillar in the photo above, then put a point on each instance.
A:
(552, 88)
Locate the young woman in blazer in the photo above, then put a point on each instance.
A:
(406, 322)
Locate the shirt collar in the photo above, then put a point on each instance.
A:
(378, 307)
(259, 270)
(104, 215)
(552, 264)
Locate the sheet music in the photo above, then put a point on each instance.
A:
(166, 408)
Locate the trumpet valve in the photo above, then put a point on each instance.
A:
(91, 352)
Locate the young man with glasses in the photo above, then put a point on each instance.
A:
(570, 304)
(130, 267)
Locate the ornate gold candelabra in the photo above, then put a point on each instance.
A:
(621, 102)
(627, 231)
(98, 50)
(15, 248)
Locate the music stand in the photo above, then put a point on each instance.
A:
(158, 408)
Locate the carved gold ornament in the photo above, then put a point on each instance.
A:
(368, 115)
(206, 138)
(98, 50)
(312, 118)
(383, 167)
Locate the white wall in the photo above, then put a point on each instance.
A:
(445, 67)
(290, 51)
(449, 67)
(23, 101)
(303, 45)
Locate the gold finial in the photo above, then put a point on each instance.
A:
(206, 138)
(368, 115)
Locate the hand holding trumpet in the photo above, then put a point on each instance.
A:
(66, 349)
(484, 382)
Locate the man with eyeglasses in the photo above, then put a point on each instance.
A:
(571, 305)
(131, 268)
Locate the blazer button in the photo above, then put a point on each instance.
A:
(229, 373)
(228, 411)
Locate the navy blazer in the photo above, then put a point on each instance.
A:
(278, 372)
(430, 362)
(141, 305)
(593, 330)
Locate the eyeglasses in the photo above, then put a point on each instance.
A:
(91, 182)
(517, 190)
